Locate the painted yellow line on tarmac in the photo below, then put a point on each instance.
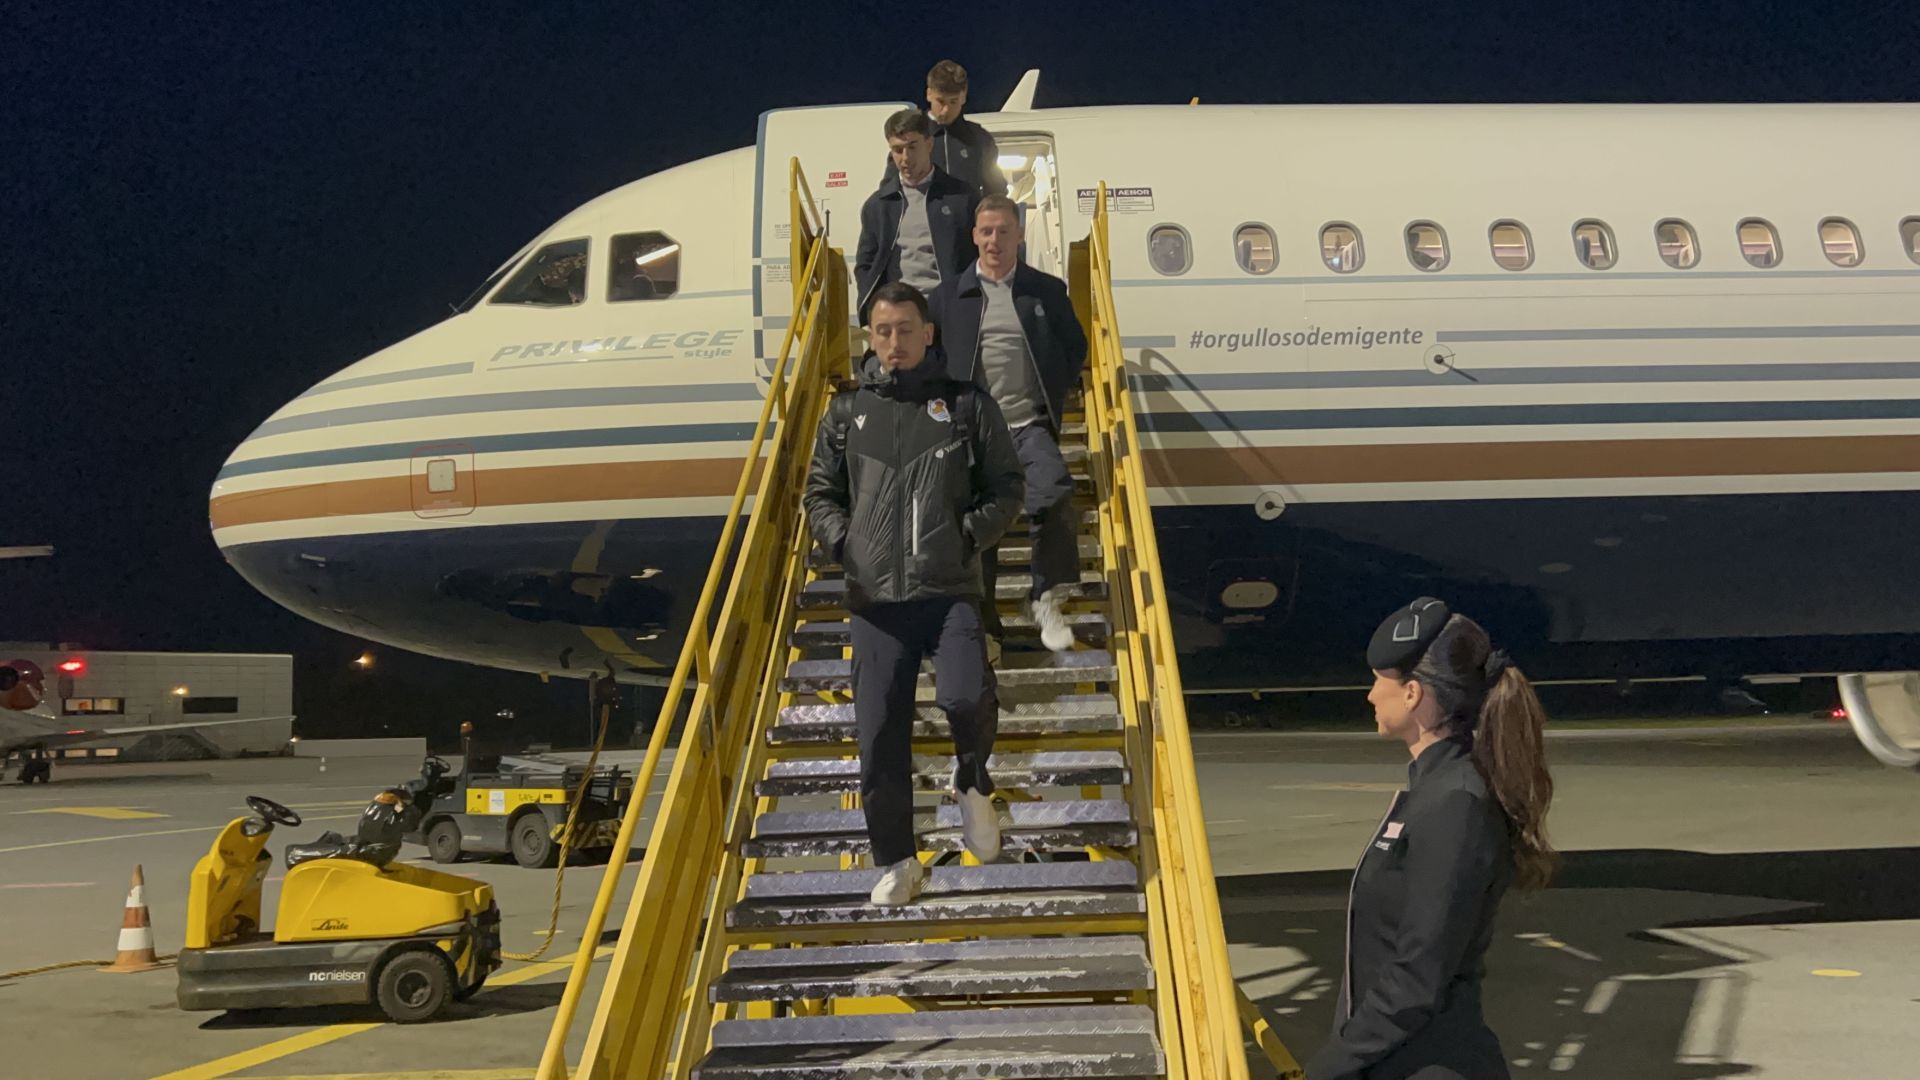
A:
(307, 1040)
(429, 1075)
(260, 1055)
(110, 813)
(1836, 973)
(432, 1074)
(137, 835)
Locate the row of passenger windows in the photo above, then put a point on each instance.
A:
(1255, 248)
(644, 266)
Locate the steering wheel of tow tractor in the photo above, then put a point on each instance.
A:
(273, 812)
(435, 767)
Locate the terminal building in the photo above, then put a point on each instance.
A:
(102, 689)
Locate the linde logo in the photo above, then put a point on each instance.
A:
(336, 976)
(329, 924)
(697, 344)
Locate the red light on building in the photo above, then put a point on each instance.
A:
(74, 666)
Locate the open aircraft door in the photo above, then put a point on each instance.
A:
(844, 153)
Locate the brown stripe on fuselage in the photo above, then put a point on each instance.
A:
(1589, 459)
(680, 479)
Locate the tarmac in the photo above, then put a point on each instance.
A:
(1733, 901)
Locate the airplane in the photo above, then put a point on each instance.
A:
(1635, 385)
(29, 725)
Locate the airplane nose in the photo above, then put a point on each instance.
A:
(364, 548)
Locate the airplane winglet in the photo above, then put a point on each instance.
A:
(1021, 100)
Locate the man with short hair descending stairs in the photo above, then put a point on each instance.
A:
(913, 474)
(1045, 945)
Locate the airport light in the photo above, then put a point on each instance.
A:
(73, 666)
(180, 691)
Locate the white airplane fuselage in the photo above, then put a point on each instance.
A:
(1647, 466)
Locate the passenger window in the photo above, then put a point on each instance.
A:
(1679, 248)
(1512, 247)
(1759, 244)
(1841, 241)
(1340, 248)
(1593, 244)
(1426, 246)
(556, 276)
(1168, 250)
(1910, 237)
(646, 266)
(1253, 249)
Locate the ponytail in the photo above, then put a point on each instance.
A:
(1510, 752)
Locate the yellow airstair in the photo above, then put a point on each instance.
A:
(1092, 948)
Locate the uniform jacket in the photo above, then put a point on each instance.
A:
(1055, 341)
(950, 206)
(906, 503)
(1419, 920)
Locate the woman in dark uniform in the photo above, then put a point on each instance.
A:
(1471, 822)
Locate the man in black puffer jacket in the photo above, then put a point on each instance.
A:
(913, 476)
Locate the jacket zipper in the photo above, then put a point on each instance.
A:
(900, 557)
(1346, 980)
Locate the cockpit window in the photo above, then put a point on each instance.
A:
(646, 266)
(479, 294)
(556, 276)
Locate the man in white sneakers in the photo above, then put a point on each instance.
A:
(1011, 329)
(914, 474)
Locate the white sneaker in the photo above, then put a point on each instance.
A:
(980, 825)
(900, 884)
(1055, 634)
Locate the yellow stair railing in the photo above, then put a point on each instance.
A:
(646, 987)
(1202, 1011)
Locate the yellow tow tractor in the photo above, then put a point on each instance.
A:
(354, 926)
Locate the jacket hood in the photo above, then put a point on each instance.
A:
(928, 380)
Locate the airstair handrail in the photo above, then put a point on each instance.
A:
(1202, 994)
(794, 401)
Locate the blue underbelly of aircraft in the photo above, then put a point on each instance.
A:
(1588, 587)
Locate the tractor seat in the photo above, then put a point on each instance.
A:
(332, 845)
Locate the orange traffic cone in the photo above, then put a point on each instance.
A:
(136, 931)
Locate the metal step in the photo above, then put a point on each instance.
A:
(1024, 826)
(1090, 626)
(831, 592)
(1022, 525)
(1019, 551)
(1014, 551)
(1051, 768)
(1015, 1044)
(1014, 669)
(1080, 965)
(1068, 714)
(997, 892)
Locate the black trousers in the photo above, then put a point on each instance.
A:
(889, 641)
(1049, 505)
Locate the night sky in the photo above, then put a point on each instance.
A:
(209, 208)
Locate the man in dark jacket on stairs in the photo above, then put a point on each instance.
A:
(913, 475)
